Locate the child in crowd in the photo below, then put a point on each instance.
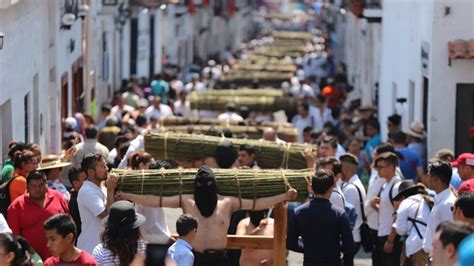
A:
(61, 232)
(181, 250)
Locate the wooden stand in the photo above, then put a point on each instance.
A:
(277, 242)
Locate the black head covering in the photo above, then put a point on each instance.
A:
(257, 216)
(205, 191)
(225, 154)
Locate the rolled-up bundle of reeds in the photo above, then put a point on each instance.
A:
(292, 35)
(251, 132)
(288, 42)
(193, 147)
(239, 75)
(278, 54)
(254, 103)
(241, 183)
(244, 92)
(266, 67)
(288, 48)
(179, 120)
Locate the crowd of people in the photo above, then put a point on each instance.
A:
(385, 197)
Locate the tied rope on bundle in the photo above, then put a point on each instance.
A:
(243, 183)
(270, 155)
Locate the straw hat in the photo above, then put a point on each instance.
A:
(51, 161)
(368, 107)
(417, 130)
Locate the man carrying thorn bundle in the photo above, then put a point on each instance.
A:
(213, 212)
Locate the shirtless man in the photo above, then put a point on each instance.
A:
(256, 224)
(213, 212)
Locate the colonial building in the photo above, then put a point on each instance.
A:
(416, 67)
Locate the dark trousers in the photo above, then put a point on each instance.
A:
(391, 259)
(211, 258)
(377, 253)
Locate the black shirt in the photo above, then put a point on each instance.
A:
(325, 231)
(74, 211)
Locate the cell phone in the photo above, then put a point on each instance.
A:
(156, 254)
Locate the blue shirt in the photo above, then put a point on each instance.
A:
(371, 145)
(181, 253)
(455, 180)
(411, 161)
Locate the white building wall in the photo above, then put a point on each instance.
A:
(442, 91)
(20, 61)
(143, 43)
(158, 37)
(405, 26)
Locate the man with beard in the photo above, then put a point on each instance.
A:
(257, 224)
(93, 203)
(213, 212)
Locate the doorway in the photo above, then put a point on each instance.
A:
(464, 118)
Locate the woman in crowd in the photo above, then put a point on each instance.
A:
(121, 239)
(14, 250)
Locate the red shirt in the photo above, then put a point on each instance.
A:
(467, 186)
(83, 259)
(26, 218)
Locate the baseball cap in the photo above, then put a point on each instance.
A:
(70, 122)
(465, 158)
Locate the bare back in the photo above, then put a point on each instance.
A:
(212, 231)
(256, 257)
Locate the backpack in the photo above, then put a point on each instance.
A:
(366, 240)
(350, 211)
(5, 199)
(429, 201)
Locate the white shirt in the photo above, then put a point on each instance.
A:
(277, 140)
(151, 111)
(181, 253)
(386, 210)
(340, 151)
(4, 228)
(300, 123)
(118, 112)
(137, 144)
(183, 109)
(154, 230)
(199, 87)
(352, 196)
(320, 118)
(416, 208)
(441, 212)
(86, 147)
(375, 186)
(91, 201)
(337, 197)
(304, 90)
(230, 116)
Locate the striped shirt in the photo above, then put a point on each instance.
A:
(104, 256)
